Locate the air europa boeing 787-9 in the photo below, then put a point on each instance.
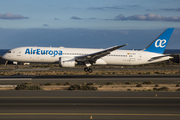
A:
(69, 57)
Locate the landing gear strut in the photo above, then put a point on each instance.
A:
(16, 67)
(88, 69)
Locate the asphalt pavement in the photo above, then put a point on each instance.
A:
(94, 69)
(98, 79)
(85, 105)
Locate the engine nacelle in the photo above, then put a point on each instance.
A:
(100, 62)
(67, 61)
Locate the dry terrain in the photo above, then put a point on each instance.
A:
(115, 87)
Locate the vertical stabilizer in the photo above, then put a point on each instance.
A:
(160, 43)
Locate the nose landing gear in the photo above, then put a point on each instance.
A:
(16, 67)
(88, 69)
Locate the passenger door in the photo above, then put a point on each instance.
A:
(139, 56)
(19, 52)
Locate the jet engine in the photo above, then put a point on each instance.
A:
(67, 61)
(100, 62)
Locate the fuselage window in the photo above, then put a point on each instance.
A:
(9, 52)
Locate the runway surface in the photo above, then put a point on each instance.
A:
(94, 69)
(84, 105)
(79, 79)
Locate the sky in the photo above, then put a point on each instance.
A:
(87, 23)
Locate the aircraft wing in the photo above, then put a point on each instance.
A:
(91, 58)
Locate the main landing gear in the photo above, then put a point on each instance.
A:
(88, 69)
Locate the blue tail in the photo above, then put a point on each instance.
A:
(160, 43)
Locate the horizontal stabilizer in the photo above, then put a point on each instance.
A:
(159, 57)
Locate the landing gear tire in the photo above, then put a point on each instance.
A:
(86, 69)
(16, 67)
(90, 70)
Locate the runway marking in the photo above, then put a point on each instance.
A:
(91, 97)
(98, 114)
(90, 104)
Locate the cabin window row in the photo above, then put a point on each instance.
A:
(119, 55)
(82, 54)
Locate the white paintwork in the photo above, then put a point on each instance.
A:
(117, 57)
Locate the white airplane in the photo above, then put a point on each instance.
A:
(69, 57)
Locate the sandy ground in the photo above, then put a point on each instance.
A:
(172, 87)
(121, 87)
(55, 87)
(10, 88)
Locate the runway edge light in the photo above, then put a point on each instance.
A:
(91, 117)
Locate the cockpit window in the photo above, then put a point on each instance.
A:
(9, 52)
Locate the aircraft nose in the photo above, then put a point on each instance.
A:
(4, 56)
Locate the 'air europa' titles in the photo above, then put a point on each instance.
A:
(43, 52)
